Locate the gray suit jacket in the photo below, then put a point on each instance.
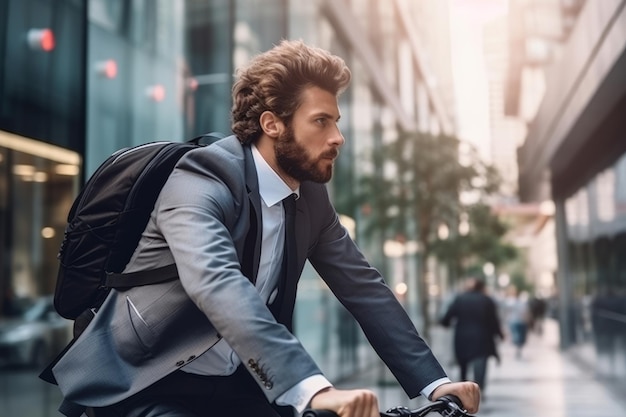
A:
(200, 221)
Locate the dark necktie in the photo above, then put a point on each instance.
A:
(281, 311)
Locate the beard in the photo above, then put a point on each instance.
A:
(294, 159)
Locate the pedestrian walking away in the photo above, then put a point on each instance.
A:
(476, 328)
(239, 219)
(518, 317)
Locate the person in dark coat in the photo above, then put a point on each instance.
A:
(476, 325)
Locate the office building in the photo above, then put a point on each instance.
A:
(567, 80)
(80, 80)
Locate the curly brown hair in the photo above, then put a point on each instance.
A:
(274, 80)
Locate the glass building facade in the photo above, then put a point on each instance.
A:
(595, 217)
(575, 155)
(82, 79)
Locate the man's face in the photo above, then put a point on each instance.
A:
(307, 148)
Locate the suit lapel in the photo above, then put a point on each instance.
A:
(256, 220)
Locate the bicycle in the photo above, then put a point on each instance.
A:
(446, 406)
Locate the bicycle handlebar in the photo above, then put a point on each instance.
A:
(447, 406)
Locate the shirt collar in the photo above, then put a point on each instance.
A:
(271, 187)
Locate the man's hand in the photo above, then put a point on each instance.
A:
(467, 392)
(347, 403)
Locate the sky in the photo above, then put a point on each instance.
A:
(469, 74)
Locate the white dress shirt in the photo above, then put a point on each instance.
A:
(221, 360)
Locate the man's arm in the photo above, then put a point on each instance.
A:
(363, 291)
(300, 395)
(450, 314)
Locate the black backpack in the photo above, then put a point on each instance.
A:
(106, 221)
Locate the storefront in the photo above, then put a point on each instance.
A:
(42, 139)
(38, 182)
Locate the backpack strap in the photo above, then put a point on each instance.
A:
(170, 272)
(139, 278)
(207, 138)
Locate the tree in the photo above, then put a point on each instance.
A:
(425, 175)
(481, 243)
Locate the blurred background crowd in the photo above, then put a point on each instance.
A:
(484, 138)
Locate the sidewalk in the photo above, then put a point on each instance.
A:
(543, 383)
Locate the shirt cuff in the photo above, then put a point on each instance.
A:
(430, 388)
(301, 394)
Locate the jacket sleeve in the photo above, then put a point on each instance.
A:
(195, 216)
(362, 290)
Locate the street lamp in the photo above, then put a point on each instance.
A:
(106, 68)
(41, 39)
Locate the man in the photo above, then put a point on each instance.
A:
(476, 325)
(218, 341)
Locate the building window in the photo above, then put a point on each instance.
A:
(38, 183)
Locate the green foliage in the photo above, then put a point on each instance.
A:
(426, 185)
(481, 244)
(519, 281)
(425, 176)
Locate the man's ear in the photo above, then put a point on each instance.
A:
(271, 124)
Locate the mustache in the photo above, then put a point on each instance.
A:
(332, 154)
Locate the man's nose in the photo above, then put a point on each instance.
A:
(337, 138)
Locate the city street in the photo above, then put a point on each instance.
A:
(432, 144)
(543, 383)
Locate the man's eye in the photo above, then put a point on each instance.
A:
(321, 121)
